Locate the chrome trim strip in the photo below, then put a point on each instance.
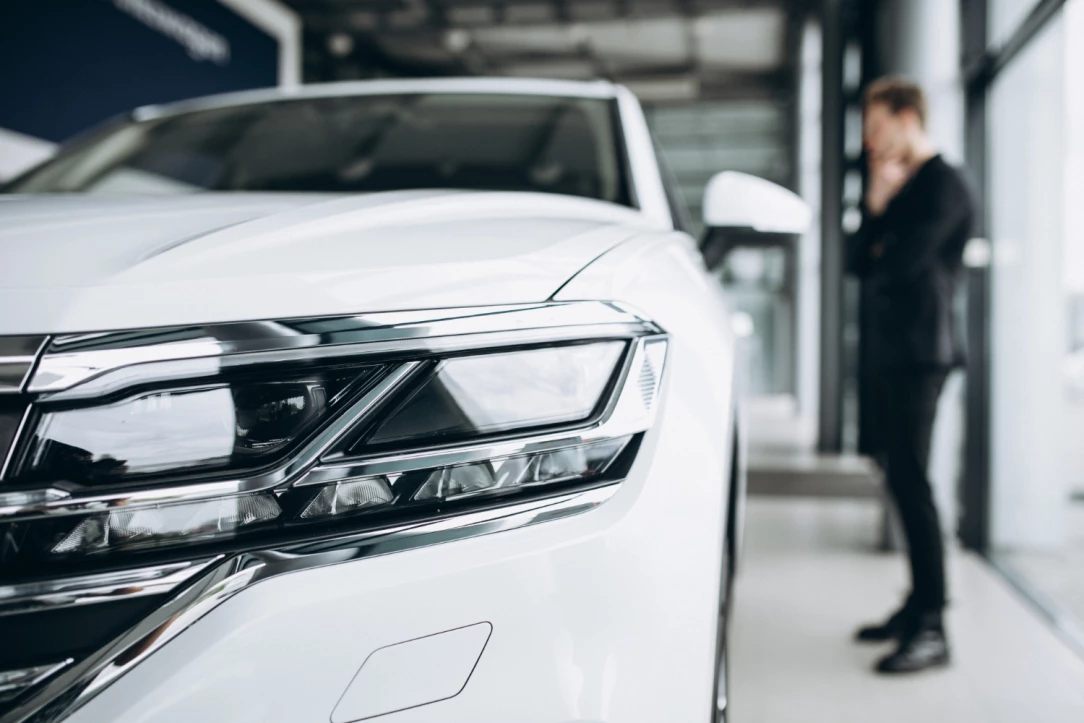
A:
(590, 89)
(68, 505)
(307, 457)
(32, 497)
(14, 682)
(114, 360)
(80, 683)
(179, 370)
(102, 587)
(13, 371)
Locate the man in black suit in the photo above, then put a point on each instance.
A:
(909, 251)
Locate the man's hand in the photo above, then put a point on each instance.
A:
(886, 178)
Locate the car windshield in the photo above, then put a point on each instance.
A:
(354, 144)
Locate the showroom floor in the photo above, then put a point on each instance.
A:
(810, 575)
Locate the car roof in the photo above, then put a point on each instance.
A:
(508, 86)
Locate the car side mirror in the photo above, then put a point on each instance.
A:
(738, 206)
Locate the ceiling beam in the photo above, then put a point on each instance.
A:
(376, 36)
(332, 16)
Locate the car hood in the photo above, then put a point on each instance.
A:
(85, 263)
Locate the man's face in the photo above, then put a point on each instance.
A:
(884, 133)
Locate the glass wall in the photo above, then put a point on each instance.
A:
(1005, 16)
(1036, 211)
(774, 288)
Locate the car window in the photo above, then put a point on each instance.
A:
(355, 144)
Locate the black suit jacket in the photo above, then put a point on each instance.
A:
(912, 258)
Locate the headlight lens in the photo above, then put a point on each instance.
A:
(149, 526)
(477, 395)
(349, 496)
(232, 425)
(579, 462)
(442, 484)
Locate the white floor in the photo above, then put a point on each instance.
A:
(810, 575)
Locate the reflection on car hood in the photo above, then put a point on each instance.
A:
(85, 263)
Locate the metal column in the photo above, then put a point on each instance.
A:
(830, 414)
(974, 530)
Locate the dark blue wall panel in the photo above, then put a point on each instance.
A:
(66, 65)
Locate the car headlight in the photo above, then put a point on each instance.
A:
(500, 392)
(255, 455)
(148, 475)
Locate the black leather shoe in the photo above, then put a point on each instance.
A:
(888, 630)
(921, 647)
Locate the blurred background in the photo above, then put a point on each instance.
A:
(771, 88)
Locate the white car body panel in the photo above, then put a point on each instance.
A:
(600, 89)
(643, 164)
(148, 262)
(606, 616)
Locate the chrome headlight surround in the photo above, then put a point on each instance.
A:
(330, 468)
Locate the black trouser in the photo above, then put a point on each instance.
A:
(908, 406)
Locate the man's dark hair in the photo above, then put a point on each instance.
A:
(898, 94)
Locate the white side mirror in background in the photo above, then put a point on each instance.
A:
(735, 200)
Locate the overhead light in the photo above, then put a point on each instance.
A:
(457, 40)
(340, 44)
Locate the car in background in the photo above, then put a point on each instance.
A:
(397, 399)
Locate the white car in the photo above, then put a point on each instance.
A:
(407, 400)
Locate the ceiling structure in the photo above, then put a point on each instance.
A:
(665, 50)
